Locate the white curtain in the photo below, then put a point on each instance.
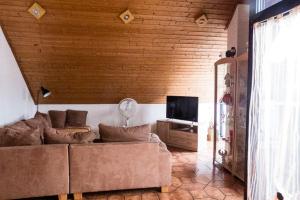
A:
(274, 120)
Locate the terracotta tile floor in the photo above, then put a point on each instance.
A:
(194, 177)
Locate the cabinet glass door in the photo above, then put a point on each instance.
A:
(224, 112)
(240, 118)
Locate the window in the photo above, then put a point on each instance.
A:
(263, 4)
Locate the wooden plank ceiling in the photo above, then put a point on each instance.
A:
(83, 53)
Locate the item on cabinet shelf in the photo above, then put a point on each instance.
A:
(223, 154)
(227, 99)
(210, 131)
(228, 80)
(231, 53)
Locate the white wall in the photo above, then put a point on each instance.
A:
(146, 113)
(15, 100)
(238, 29)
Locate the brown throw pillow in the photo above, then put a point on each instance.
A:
(76, 118)
(58, 118)
(123, 134)
(12, 137)
(35, 123)
(38, 122)
(45, 116)
(19, 126)
(53, 136)
(2, 135)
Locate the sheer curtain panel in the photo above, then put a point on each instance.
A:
(274, 114)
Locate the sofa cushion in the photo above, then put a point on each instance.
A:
(58, 118)
(76, 118)
(124, 134)
(63, 136)
(13, 137)
(45, 116)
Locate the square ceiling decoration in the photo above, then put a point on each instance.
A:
(127, 17)
(37, 11)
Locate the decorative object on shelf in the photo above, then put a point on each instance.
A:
(228, 80)
(128, 108)
(231, 53)
(37, 11)
(202, 20)
(127, 16)
(227, 99)
(45, 93)
(210, 131)
(223, 154)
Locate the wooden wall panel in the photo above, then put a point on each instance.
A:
(83, 53)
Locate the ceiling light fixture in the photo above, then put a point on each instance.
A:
(202, 20)
(37, 11)
(126, 17)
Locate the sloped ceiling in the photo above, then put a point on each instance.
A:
(83, 53)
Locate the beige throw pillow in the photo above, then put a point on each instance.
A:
(124, 134)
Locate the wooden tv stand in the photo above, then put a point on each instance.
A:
(178, 134)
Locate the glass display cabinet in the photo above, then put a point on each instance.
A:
(230, 114)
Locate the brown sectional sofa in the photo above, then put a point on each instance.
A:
(46, 170)
(60, 169)
(33, 171)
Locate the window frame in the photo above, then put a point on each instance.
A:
(276, 9)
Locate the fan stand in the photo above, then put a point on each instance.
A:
(127, 122)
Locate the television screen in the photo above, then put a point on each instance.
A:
(183, 108)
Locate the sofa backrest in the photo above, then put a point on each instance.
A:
(113, 166)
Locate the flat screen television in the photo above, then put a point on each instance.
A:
(182, 108)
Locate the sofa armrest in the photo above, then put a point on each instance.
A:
(114, 166)
(33, 171)
(165, 167)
